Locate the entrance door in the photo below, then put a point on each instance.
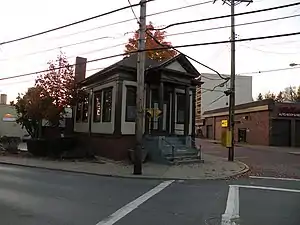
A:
(164, 118)
(242, 135)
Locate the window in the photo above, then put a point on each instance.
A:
(85, 109)
(180, 108)
(78, 111)
(130, 104)
(107, 105)
(97, 106)
(82, 109)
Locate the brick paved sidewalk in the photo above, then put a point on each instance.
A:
(212, 168)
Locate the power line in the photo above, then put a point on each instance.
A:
(71, 24)
(272, 70)
(105, 37)
(132, 19)
(63, 46)
(271, 52)
(175, 34)
(227, 26)
(163, 48)
(229, 15)
(217, 99)
(172, 47)
(167, 35)
(159, 43)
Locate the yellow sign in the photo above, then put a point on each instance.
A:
(154, 112)
(224, 123)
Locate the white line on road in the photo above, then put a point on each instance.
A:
(275, 178)
(270, 188)
(119, 214)
(232, 206)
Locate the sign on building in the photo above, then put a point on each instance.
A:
(224, 123)
(9, 118)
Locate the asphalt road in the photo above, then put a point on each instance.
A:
(262, 160)
(36, 196)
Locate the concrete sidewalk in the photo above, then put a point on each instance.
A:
(289, 150)
(212, 168)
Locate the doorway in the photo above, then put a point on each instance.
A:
(242, 135)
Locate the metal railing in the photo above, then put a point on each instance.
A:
(198, 147)
(173, 149)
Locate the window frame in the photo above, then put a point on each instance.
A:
(95, 119)
(108, 89)
(85, 103)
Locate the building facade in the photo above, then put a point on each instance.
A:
(105, 119)
(8, 125)
(259, 123)
(211, 94)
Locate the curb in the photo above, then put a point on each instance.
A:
(142, 177)
(245, 170)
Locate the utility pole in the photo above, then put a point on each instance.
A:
(232, 4)
(139, 131)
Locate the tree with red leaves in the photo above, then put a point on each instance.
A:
(35, 106)
(151, 43)
(59, 82)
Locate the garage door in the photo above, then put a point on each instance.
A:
(281, 133)
(297, 133)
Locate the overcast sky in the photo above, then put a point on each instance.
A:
(20, 18)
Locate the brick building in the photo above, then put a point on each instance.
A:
(260, 123)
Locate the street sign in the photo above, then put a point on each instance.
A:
(154, 112)
(224, 123)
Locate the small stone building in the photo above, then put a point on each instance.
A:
(260, 123)
(105, 120)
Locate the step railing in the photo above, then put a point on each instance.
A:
(173, 149)
(198, 147)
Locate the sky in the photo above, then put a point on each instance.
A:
(32, 16)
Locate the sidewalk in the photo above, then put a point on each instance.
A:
(289, 150)
(212, 168)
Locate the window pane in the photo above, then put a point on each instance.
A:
(97, 106)
(107, 105)
(85, 109)
(130, 104)
(180, 108)
(78, 111)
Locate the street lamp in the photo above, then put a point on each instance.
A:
(294, 64)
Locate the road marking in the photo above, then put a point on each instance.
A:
(122, 212)
(275, 178)
(269, 188)
(232, 206)
(231, 214)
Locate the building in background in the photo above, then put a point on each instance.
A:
(211, 95)
(259, 123)
(8, 115)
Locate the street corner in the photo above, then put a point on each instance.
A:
(221, 168)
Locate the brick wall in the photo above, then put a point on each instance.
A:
(256, 123)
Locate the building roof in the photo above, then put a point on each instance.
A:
(130, 63)
(242, 106)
